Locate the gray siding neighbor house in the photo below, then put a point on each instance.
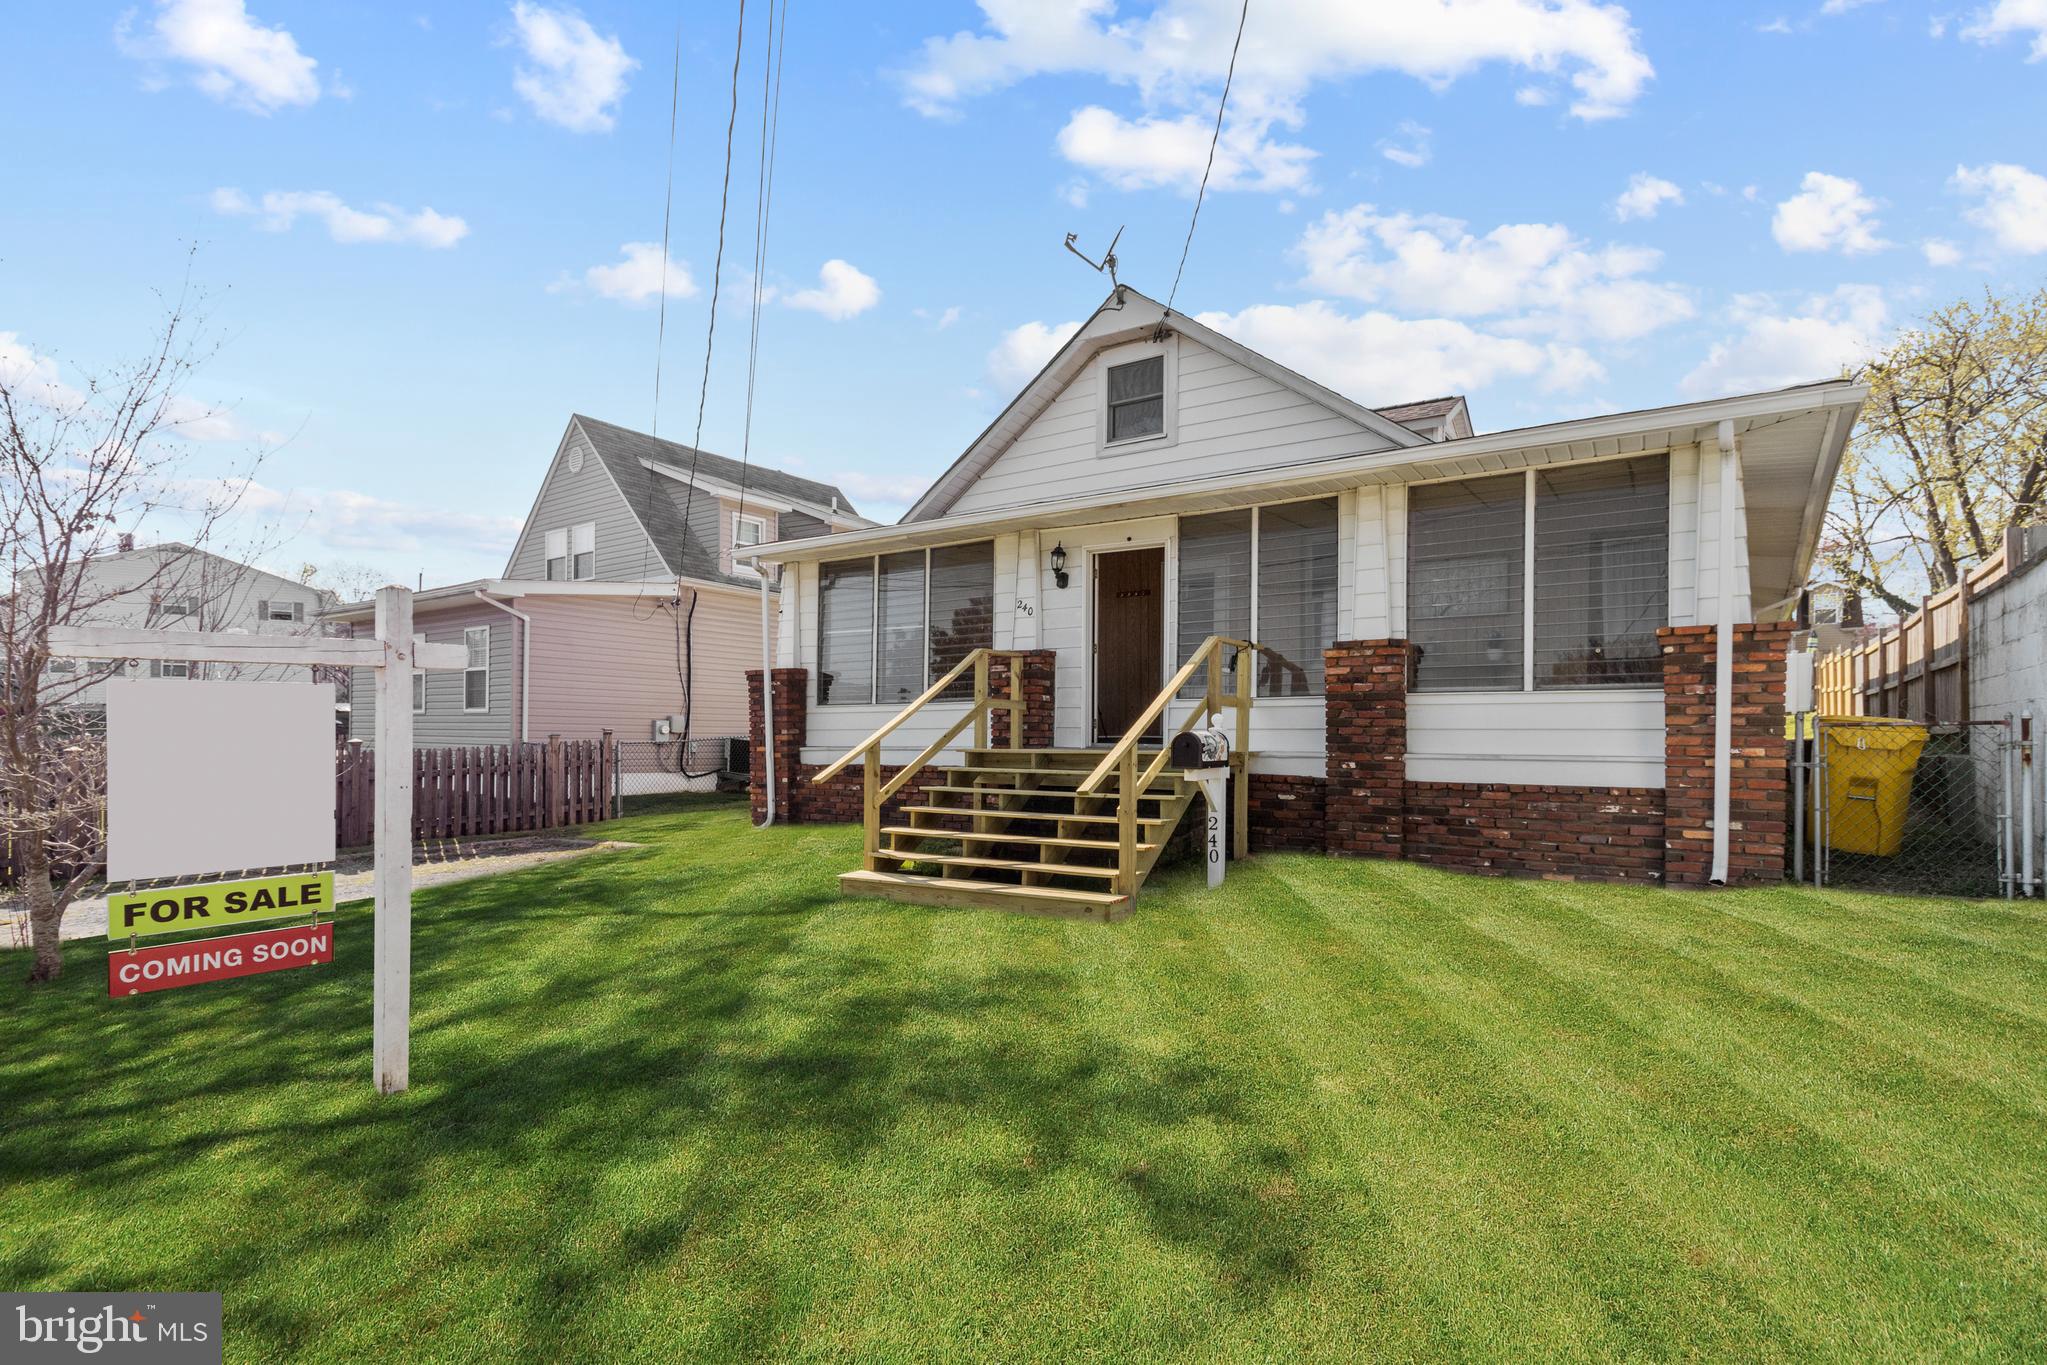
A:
(621, 605)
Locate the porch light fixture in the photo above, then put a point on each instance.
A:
(1059, 564)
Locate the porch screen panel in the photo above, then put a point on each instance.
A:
(899, 640)
(1215, 587)
(1602, 573)
(1465, 547)
(845, 632)
(962, 608)
(1296, 595)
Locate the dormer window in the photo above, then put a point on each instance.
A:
(1137, 399)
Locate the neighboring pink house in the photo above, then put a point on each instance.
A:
(620, 608)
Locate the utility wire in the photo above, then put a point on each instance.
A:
(661, 323)
(1213, 139)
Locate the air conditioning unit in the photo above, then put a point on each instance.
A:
(738, 755)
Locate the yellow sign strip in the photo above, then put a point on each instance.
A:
(224, 905)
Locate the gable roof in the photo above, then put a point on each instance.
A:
(1428, 407)
(1125, 316)
(660, 502)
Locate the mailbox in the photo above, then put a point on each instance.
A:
(1203, 748)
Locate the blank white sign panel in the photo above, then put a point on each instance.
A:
(212, 777)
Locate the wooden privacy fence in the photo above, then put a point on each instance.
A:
(1919, 668)
(484, 789)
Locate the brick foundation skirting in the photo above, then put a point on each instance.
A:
(1758, 829)
(1582, 833)
(1287, 813)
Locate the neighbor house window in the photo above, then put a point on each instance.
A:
(1576, 605)
(167, 607)
(583, 551)
(64, 666)
(169, 668)
(476, 677)
(280, 611)
(1267, 574)
(1137, 399)
(748, 530)
(888, 627)
(557, 555)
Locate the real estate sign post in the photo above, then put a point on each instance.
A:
(208, 777)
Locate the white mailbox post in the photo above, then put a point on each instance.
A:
(393, 656)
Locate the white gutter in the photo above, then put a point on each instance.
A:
(525, 662)
(1723, 662)
(767, 700)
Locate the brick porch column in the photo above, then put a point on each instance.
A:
(1365, 687)
(1038, 672)
(1758, 791)
(791, 693)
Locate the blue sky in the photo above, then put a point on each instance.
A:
(417, 223)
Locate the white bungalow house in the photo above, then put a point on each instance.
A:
(1495, 651)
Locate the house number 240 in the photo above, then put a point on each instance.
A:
(1025, 608)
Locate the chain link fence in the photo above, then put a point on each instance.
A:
(656, 767)
(1890, 805)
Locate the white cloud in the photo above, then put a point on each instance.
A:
(1379, 358)
(1777, 25)
(1842, 6)
(939, 321)
(1826, 334)
(572, 76)
(1533, 96)
(1146, 153)
(1023, 351)
(279, 209)
(1538, 277)
(1830, 213)
(1410, 149)
(195, 420)
(2011, 204)
(1182, 46)
(1644, 195)
(28, 375)
(1996, 22)
(378, 527)
(231, 56)
(1940, 251)
(637, 276)
(843, 291)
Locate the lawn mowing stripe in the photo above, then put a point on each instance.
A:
(1708, 1095)
(1556, 1179)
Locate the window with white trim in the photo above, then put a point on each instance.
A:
(169, 668)
(748, 530)
(418, 692)
(1552, 578)
(1266, 574)
(557, 555)
(890, 626)
(167, 608)
(280, 611)
(1136, 399)
(583, 551)
(476, 677)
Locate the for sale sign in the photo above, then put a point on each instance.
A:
(223, 905)
(170, 965)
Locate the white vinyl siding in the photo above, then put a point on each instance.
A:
(572, 497)
(1225, 418)
(476, 677)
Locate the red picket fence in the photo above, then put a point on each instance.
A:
(483, 789)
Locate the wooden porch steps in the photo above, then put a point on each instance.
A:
(1010, 829)
(965, 893)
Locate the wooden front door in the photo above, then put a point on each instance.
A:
(1130, 623)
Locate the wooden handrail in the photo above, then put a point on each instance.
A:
(1135, 733)
(930, 695)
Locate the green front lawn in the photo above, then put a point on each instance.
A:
(685, 1103)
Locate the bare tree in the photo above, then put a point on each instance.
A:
(1952, 450)
(77, 470)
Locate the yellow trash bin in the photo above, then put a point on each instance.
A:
(1869, 762)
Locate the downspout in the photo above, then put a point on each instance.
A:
(525, 661)
(1723, 664)
(767, 699)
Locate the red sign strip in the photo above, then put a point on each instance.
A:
(171, 965)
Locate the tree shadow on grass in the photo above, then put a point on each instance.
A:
(570, 1042)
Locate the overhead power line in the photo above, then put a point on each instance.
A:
(1213, 138)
